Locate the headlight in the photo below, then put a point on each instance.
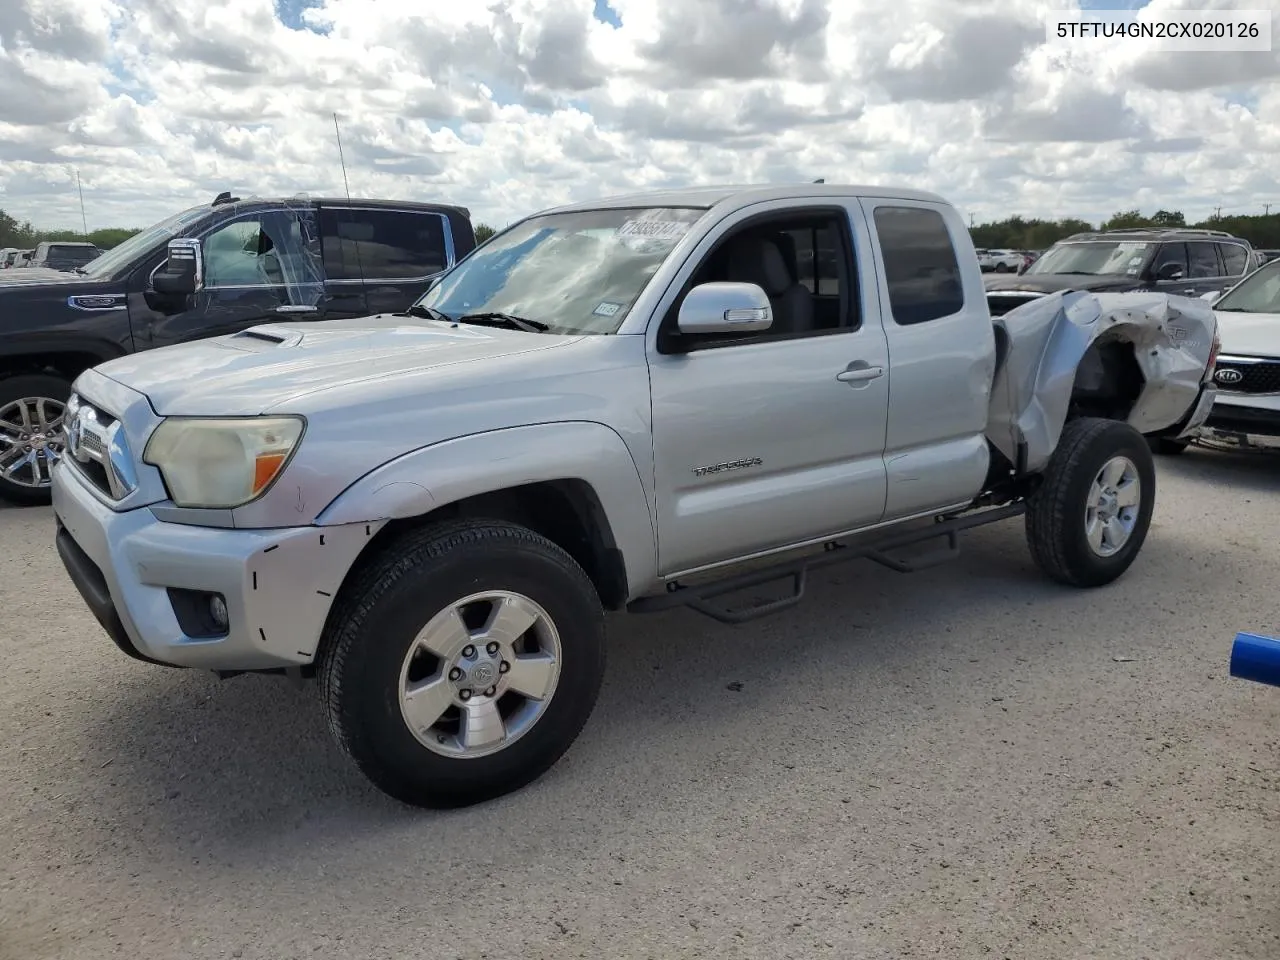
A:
(221, 463)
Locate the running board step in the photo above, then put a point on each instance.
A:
(921, 561)
(736, 615)
(887, 552)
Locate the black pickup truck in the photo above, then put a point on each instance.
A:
(207, 271)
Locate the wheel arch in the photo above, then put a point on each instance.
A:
(66, 357)
(1138, 358)
(575, 484)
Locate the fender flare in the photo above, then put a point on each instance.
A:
(431, 477)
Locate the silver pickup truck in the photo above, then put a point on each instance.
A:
(631, 404)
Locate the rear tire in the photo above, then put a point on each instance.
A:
(460, 730)
(1089, 518)
(24, 399)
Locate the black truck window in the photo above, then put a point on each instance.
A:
(920, 265)
(368, 244)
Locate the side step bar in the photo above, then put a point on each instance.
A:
(882, 551)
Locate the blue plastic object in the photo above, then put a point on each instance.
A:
(1256, 658)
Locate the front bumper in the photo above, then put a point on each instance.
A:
(135, 573)
(1244, 421)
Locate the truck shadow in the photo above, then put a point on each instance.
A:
(1245, 470)
(245, 769)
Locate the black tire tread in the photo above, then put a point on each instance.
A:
(1050, 510)
(408, 555)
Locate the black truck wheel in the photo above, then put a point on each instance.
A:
(1088, 519)
(31, 435)
(463, 662)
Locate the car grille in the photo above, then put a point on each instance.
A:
(1256, 376)
(88, 431)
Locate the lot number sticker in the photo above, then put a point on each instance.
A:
(653, 229)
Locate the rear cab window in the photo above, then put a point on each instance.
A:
(376, 244)
(922, 271)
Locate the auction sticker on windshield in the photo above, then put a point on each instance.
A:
(654, 229)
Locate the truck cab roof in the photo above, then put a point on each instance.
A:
(744, 194)
(305, 199)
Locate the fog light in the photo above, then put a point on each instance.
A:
(218, 610)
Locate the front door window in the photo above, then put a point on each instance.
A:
(270, 249)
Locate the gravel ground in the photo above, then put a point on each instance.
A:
(966, 762)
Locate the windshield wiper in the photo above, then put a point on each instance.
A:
(427, 313)
(504, 320)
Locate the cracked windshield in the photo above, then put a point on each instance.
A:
(574, 272)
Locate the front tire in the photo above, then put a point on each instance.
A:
(463, 663)
(1088, 519)
(31, 435)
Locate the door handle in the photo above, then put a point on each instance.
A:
(860, 374)
(296, 308)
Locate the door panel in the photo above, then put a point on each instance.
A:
(770, 442)
(1205, 270)
(381, 259)
(760, 445)
(942, 346)
(259, 267)
(1184, 286)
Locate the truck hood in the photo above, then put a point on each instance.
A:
(52, 304)
(27, 276)
(267, 366)
(1249, 334)
(1053, 282)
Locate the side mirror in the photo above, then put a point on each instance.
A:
(1169, 271)
(725, 308)
(1211, 297)
(182, 274)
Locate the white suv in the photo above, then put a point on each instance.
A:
(1000, 261)
(1246, 411)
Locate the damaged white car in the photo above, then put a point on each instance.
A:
(628, 404)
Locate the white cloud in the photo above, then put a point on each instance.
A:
(511, 105)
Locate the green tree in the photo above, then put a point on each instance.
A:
(24, 235)
(1018, 233)
(111, 236)
(1127, 220)
(484, 232)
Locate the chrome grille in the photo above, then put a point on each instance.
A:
(1236, 374)
(97, 448)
